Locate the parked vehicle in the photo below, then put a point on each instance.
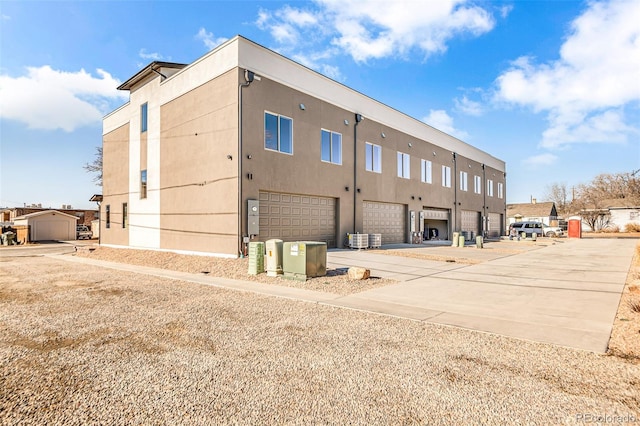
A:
(83, 232)
(552, 231)
(529, 228)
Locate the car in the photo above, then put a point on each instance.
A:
(552, 231)
(528, 227)
(83, 232)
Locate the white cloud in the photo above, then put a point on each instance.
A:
(540, 160)
(371, 29)
(209, 40)
(585, 92)
(444, 122)
(150, 56)
(51, 99)
(469, 107)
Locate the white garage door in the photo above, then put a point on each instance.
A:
(470, 222)
(386, 219)
(294, 217)
(46, 230)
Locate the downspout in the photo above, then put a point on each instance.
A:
(248, 76)
(485, 213)
(358, 119)
(455, 193)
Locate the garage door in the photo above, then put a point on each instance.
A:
(294, 217)
(48, 230)
(470, 222)
(386, 219)
(495, 224)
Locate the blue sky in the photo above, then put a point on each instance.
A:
(550, 87)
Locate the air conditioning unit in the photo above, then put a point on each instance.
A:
(358, 241)
(375, 240)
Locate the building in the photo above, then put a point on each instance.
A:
(545, 212)
(47, 225)
(85, 217)
(246, 145)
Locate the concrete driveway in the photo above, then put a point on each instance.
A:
(565, 293)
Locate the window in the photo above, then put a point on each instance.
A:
(143, 184)
(143, 117)
(403, 165)
(331, 147)
(489, 187)
(464, 177)
(278, 133)
(125, 214)
(373, 157)
(446, 176)
(425, 173)
(500, 190)
(477, 184)
(107, 210)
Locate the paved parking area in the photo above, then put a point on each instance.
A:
(566, 293)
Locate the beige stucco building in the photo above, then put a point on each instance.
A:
(246, 145)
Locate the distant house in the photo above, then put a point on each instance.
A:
(539, 212)
(49, 225)
(85, 217)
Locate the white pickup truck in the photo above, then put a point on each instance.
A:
(83, 232)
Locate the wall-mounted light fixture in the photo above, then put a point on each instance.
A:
(302, 107)
(420, 198)
(358, 190)
(346, 122)
(410, 145)
(346, 188)
(413, 198)
(250, 176)
(249, 156)
(383, 135)
(229, 157)
(434, 153)
(359, 118)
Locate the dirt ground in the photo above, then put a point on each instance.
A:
(80, 344)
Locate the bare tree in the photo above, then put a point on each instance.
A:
(96, 166)
(557, 192)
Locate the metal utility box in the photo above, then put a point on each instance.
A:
(302, 260)
(256, 257)
(253, 217)
(574, 229)
(274, 257)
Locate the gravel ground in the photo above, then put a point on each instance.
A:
(84, 345)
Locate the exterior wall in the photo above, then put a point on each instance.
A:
(115, 187)
(199, 186)
(200, 180)
(623, 216)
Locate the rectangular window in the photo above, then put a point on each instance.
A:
(403, 165)
(107, 210)
(373, 157)
(426, 171)
(500, 190)
(278, 133)
(489, 187)
(143, 117)
(143, 184)
(125, 215)
(446, 176)
(331, 147)
(477, 184)
(464, 176)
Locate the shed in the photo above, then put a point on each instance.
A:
(49, 225)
